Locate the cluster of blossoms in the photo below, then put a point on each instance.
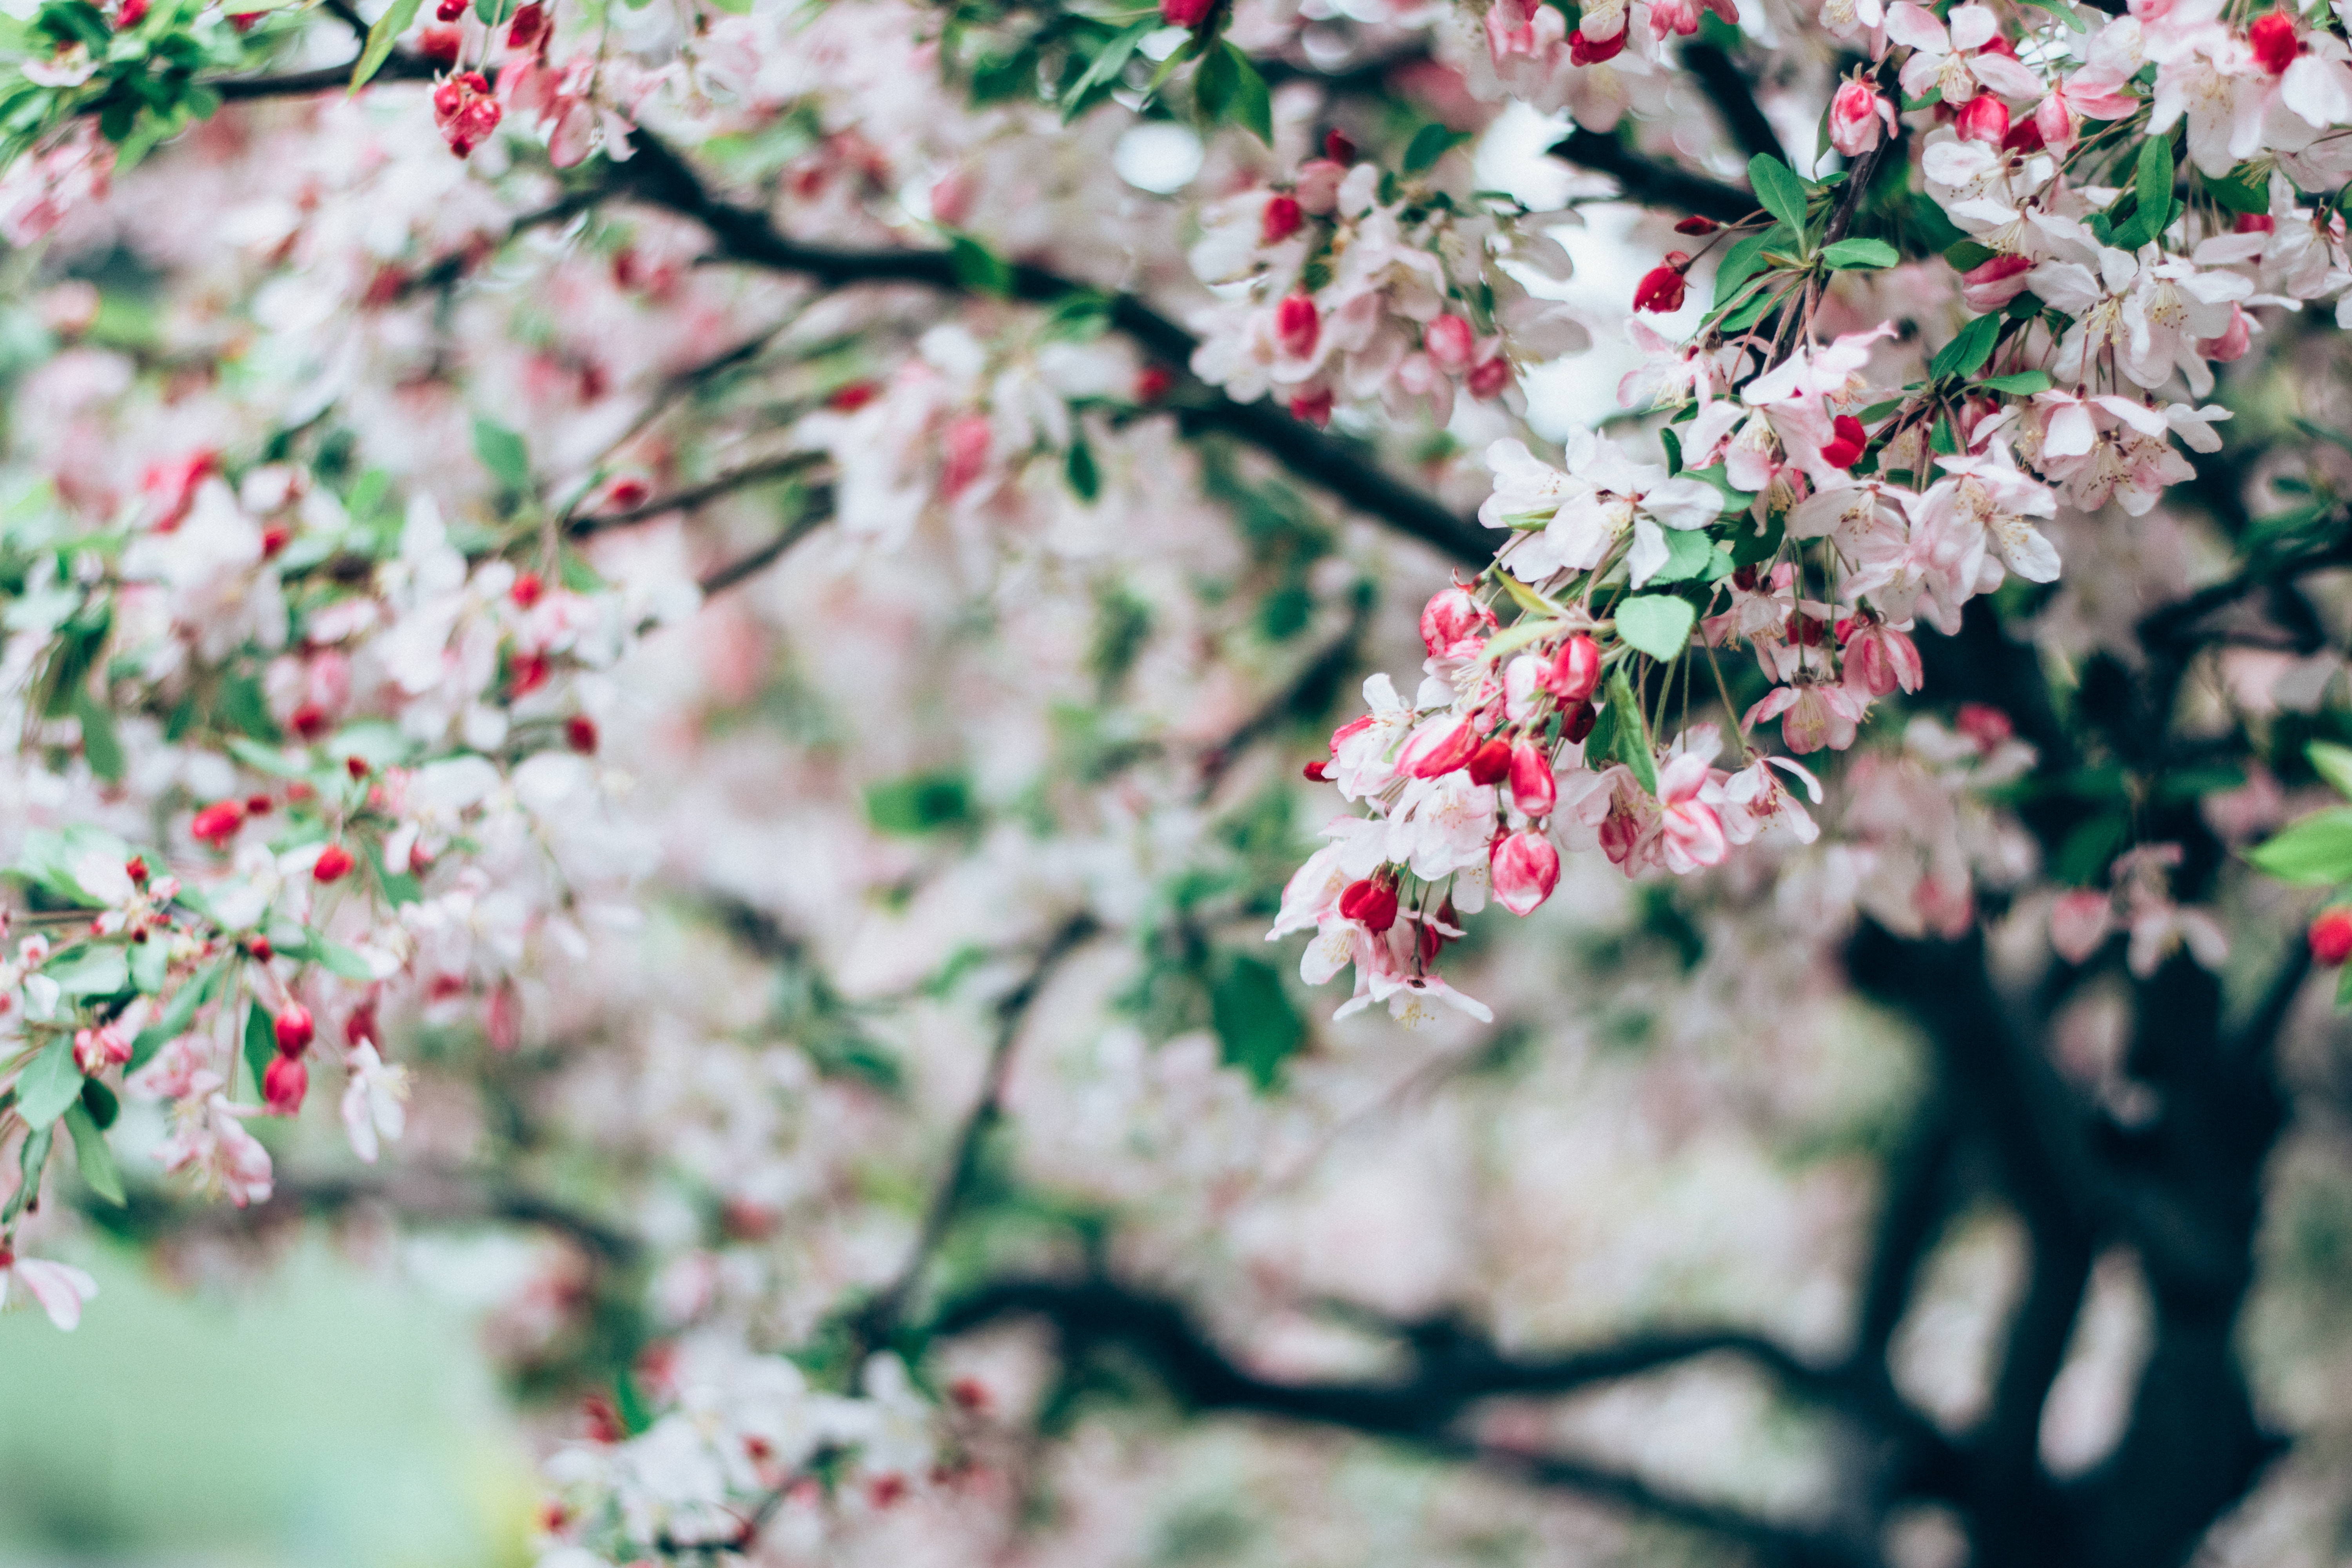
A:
(1348, 288)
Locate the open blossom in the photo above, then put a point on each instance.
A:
(57, 1289)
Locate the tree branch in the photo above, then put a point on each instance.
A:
(1727, 85)
(1653, 184)
(700, 495)
(660, 177)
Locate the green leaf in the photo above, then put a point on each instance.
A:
(2152, 183)
(1740, 263)
(1430, 144)
(100, 747)
(1102, 72)
(503, 455)
(2315, 851)
(978, 268)
(1777, 186)
(178, 1013)
(1847, 254)
(53, 1082)
(1214, 86)
(92, 1158)
(1689, 553)
(1735, 500)
(920, 803)
(2334, 763)
(1253, 104)
(1086, 480)
(2022, 383)
(1968, 256)
(336, 959)
(380, 37)
(30, 1160)
(1967, 354)
(151, 965)
(260, 1042)
(243, 706)
(90, 972)
(1628, 735)
(1258, 1030)
(2240, 190)
(1657, 624)
(99, 1101)
(48, 858)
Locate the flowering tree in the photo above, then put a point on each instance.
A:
(704, 618)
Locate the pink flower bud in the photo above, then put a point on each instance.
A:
(1983, 118)
(1575, 669)
(1437, 750)
(334, 861)
(216, 823)
(95, 1050)
(2274, 41)
(1524, 870)
(1532, 784)
(1858, 118)
(1454, 624)
(1297, 326)
(284, 1084)
(1185, 12)
(1489, 377)
(1449, 343)
(1991, 285)
(2331, 937)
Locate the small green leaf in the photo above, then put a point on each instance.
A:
(92, 1158)
(1968, 256)
(2334, 763)
(922, 803)
(1689, 553)
(1740, 263)
(978, 268)
(1214, 86)
(1253, 104)
(90, 972)
(100, 747)
(336, 959)
(504, 455)
(1847, 254)
(1086, 480)
(1967, 354)
(177, 1015)
(53, 1082)
(31, 1159)
(1258, 1030)
(380, 38)
(1777, 186)
(1102, 73)
(1629, 734)
(2239, 190)
(2315, 851)
(1430, 144)
(1657, 624)
(260, 1042)
(2020, 384)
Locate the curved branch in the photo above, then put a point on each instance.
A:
(1653, 184)
(660, 177)
(700, 495)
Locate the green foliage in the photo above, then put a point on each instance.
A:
(49, 1085)
(920, 803)
(1848, 254)
(1657, 625)
(1784, 195)
(2315, 851)
(1258, 1030)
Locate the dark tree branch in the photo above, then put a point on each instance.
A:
(817, 513)
(1727, 85)
(1453, 1371)
(659, 176)
(703, 494)
(1654, 183)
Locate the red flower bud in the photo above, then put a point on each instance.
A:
(1312, 407)
(2331, 937)
(1579, 722)
(2273, 42)
(441, 44)
(449, 10)
(1186, 12)
(1696, 224)
(1280, 220)
(216, 823)
(284, 1084)
(1152, 381)
(1338, 148)
(1297, 326)
(1524, 869)
(1436, 753)
(580, 735)
(526, 589)
(295, 1030)
(256, 806)
(309, 721)
(1317, 772)
(1662, 289)
(334, 861)
(356, 766)
(2254, 223)
(1844, 447)
(1372, 905)
(1490, 763)
(136, 870)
